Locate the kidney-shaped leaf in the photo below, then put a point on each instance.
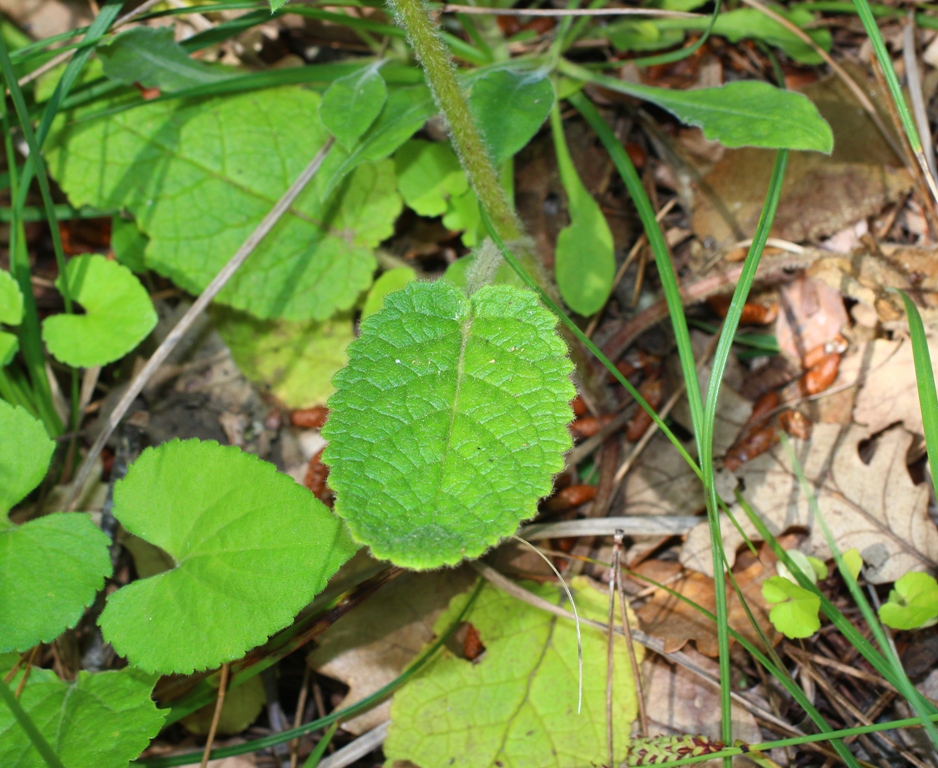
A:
(251, 548)
(509, 108)
(913, 603)
(50, 569)
(796, 614)
(118, 314)
(200, 175)
(103, 720)
(448, 422)
(25, 453)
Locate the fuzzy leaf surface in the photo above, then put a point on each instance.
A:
(249, 544)
(50, 570)
(448, 422)
(152, 57)
(199, 176)
(516, 706)
(913, 603)
(25, 453)
(353, 102)
(103, 720)
(118, 314)
(509, 108)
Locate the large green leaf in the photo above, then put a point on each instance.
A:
(152, 57)
(199, 176)
(11, 313)
(353, 102)
(516, 706)
(509, 108)
(50, 570)
(25, 453)
(293, 361)
(585, 260)
(118, 314)
(101, 720)
(251, 547)
(448, 422)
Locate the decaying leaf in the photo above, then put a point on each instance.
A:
(872, 505)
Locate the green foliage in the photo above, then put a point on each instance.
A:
(749, 23)
(242, 706)
(641, 35)
(118, 314)
(428, 175)
(796, 614)
(517, 704)
(250, 545)
(353, 102)
(585, 263)
(854, 562)
(102, 720)
(25, 453)
(205, 174)
(295, 362)
(151, 56)
(390, 281)
(509, 107)
(129, 244)
(448, 422)
(912, 604)
(11, 313)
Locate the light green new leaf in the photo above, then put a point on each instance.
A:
(428, 175)
(516, 706)
(912, 604)
(462, 215)
(50, 570)
(353, 102)
(293, 361)
(796, 614)
(103, 720)
(584, 261)
(390, 281)
(448, 422)
(509, 108)
(118, 314)
(11, 313)
(152, 57)
(251, 547)
(640, 35)
(199, 176)
(854, 562)
(811, 567)
(129, 244)
(25, 453)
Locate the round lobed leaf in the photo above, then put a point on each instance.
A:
(448, 422)
(796, 614)
(912, 604)
(50, 570)
(119, 314)
(251, 548)
(25, 453)
(101, 720)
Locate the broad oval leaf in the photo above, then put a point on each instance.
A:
(11, 313)
(103, 720)
(251, 548)
(912, 604)
(796, 614)
(50, 570)
(25, 453)
(585, 256)
(206, 172)
(448, 422)
(509, 108)
(353, 102)
(517, 704)
(152, 57)
(118, 314)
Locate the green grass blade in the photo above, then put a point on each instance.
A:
(925, 378)
(27, 724)
(320, 749)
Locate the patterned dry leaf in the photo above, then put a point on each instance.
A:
(872, 506)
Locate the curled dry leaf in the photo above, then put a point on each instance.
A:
(317, 479)
(310, 418)
(873, 507)
(570, 497)
(587, 426)
(812, 314)
(653, 392)
(753, 312)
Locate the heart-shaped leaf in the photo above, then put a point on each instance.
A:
(912, 604)
(509, 108)
(796, 614)
(459, 405)
(251, 548)
(118, 314)
(11, 313)
(353, 102)
(103, 720)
